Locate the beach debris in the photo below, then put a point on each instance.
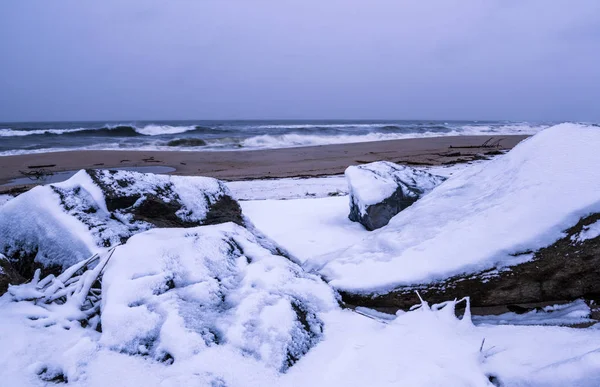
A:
(489, 143)
(380, 190)
(38, 174)
(72, 296)
(41, 166)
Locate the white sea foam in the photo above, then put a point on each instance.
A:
(264, 141)
(148, 130)
(20, 133)
(157, 130)
(295, 140)
(328, 126)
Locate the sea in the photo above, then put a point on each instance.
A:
(201, 135)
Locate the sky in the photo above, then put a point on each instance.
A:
(310, 59)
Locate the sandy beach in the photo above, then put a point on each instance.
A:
(274, 163)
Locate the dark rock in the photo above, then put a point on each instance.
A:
(8, 275)
(566, 270)
(187, 142)
(225, 209)
(380, 190)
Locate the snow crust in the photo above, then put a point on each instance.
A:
(179, 291)
(374, 182)
(589, 232)
(307, 228)
(4, 199)
(293, 188)
(228, 309)
(476, 219)
(66, 222)
(425, 347)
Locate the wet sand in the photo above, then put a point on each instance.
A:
(273, 163)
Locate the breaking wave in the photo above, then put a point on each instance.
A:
(112, 131)
(295, 140)
(233, 135)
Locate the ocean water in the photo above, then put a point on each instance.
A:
(31, 137)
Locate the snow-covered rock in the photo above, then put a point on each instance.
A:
(57, 225)
(172, 293)
(487, 218)
(566, 270)
(380, 190)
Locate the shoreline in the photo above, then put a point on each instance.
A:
(311, 161)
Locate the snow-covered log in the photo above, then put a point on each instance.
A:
(380, 190)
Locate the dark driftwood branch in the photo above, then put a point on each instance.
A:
(489, 143)
(38, 174)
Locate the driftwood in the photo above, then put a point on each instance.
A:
(489, 143)
(38, 174)
(74, 295)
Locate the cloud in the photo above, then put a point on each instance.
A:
(437, 59)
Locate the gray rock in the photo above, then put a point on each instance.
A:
(380, 190)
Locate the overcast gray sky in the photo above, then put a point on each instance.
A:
(258, 59)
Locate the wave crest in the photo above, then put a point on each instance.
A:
(114, 130)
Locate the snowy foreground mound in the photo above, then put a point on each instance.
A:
(380, 190)
(424, 347)
(489, 216)
(57, 225)
(171, 293)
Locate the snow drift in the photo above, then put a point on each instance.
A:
(171, 293)
(489, 216)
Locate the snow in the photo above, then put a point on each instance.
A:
(67, 222)
(223, 302)
(424, 347)
(4, 199)
(374, 182)
(293, 188)
(179, 291)
(475, 220)
(589, 232)
(307, 228)
(36, 221)
(316, 187)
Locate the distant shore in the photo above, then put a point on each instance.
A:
(271, 163)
